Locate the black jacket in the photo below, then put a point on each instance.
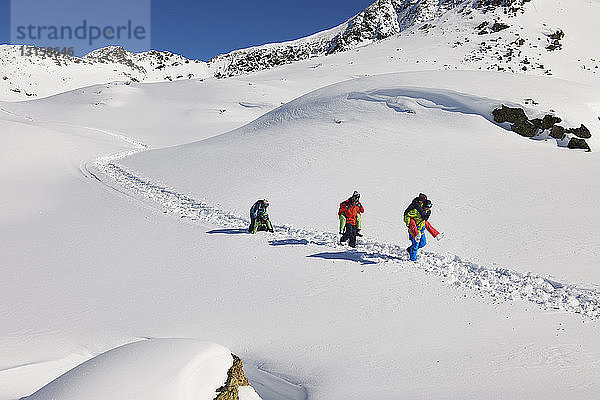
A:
(416, 206)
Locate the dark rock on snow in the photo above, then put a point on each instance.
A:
(557, 132)
(235, 379)
(499, 26)
(581, 132)
(524, 128)
(576, 143)
(549, 121)
(509, 114)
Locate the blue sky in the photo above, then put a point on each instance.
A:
(203, 29)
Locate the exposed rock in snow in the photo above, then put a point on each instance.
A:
(582, 132)
(576, 143)
(531, 127)
(235, 380)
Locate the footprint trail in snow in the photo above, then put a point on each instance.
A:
(499, 283)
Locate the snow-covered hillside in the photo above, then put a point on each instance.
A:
(124, 213)
(25, 76)
(391, 137)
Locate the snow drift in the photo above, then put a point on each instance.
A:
(175, 369)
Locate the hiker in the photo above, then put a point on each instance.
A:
(416, 204)
(259, 217)
(344, 205)
(351, 210)
(416, 218)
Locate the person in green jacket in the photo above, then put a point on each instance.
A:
(416, 219)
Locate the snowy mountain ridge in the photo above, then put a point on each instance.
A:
(380, 20)
(27, 75)
(24, 76)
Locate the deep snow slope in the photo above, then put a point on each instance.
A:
(88, 267)
(161, 114)
(501, 198)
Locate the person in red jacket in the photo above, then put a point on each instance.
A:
(350, 209)
(344, 205)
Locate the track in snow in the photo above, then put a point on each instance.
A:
(499, 283)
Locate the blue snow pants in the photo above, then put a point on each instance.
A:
(417, 245)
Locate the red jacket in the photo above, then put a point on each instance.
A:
(350, 211)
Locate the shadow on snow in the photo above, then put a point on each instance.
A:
(288, 242)
(360, 257)
(228, 231)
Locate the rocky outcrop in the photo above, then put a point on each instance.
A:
(576, 143)
(114, 54)
(557, 132)
(549, 121)
(485, 27)
(510, 5)
(581, 132)
(380, 20)
(376, 22)
(509, 114)
(526, 127)
(518, 120)
(235, 379)
(501, 3)
(554, 39)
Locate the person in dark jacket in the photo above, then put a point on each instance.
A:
(259, 217)
(416, 204)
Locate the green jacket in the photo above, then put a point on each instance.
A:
(414, 214)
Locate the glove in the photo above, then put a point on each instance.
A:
(440, 236)
(418, 237)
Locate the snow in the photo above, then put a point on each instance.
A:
(124, 208)
(306, 149)
(150, 369)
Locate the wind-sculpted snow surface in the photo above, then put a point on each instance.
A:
(500, 283)
(173, 369)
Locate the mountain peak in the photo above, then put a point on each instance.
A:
(472, 27)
